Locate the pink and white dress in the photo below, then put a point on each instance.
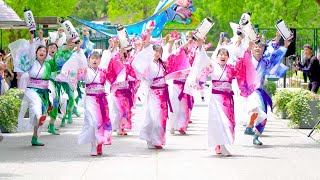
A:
(97, 126)
(123, 96)
(182, 103)
(221, 121)
(157, 102)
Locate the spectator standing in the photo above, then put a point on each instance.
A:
(308, 59)
(310, 68)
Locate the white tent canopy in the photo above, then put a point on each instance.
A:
(9, 18)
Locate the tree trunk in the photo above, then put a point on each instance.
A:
(318, 1)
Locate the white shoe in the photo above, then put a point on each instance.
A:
(172, 131)
(119, 132)
(224, 151)
(150, 146)
(60, 116)
(93, 149)
(243, 123)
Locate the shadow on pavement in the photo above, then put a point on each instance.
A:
(238, 156)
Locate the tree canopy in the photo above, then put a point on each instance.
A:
(296, 13)
(61, 8)
(91, 9)
(128, 11)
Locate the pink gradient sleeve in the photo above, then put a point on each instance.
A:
(246, 75)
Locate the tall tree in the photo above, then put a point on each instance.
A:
(43, 8)
(91, 9)
(128, 11)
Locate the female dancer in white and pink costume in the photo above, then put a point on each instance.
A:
(97, 128)
(221, 121)
(123, 93)
(182, 103)
(149, 67)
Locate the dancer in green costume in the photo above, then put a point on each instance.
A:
(61, 57)
(30, 58)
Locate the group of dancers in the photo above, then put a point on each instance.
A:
(141, 71)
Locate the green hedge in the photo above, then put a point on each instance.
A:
(10, 104)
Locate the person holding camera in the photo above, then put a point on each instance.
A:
(307, 61)
(295, 59)
(223, 40)
(310, 68)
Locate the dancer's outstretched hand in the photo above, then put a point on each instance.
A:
(31, 38)
(286, 43)
(250, 45)
(200, 42)
(147, 40)
(149, 30)
(78, 46)
(40, 33)
(278, 37)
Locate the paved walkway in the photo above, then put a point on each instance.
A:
(287, 154)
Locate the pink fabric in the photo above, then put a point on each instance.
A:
(188, 98)
(38, 83)
(158, 41)
(144, 36)
(124, 103)
(134, 86)
(184, 12)
(124, 97)
(104, 123)
(205, 72)
(246, 75)
(207, 46)
(178, 61)
(82, 72)
(95, 88)
(114, 68)
(161, 95)
(175, 35)
(152, 24)
(130, 72)
(188, 102)
(184, 3)
(165, 95)
(192, 54)
(243, 71)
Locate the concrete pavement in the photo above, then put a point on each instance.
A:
(287, 154)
